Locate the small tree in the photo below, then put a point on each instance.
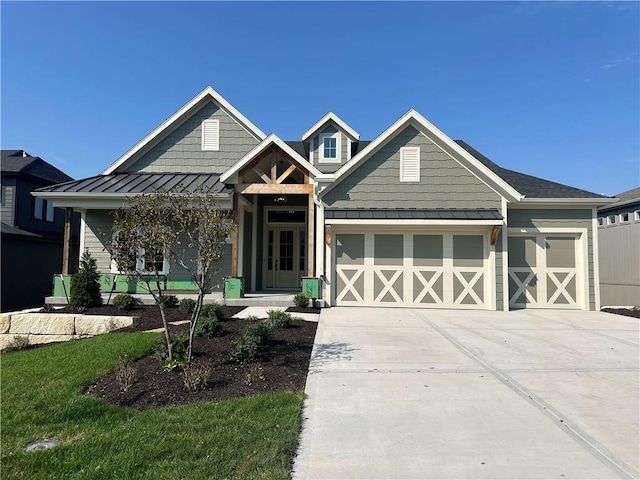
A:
(143, 235)
(85, 284)
(207, 227)
(163, 224)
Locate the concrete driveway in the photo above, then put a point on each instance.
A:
(417, 394)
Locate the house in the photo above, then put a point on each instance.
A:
(408, 218)
(619, 247)
(32, 231)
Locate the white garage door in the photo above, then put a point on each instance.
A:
(447, 270)
(544, 271)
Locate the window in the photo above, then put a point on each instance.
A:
(211, 135)
(601, 221)
(330, 148)
(143, 260)
(410, 164)
(637, 213)
(624, 217)
(43, 210)
(611, 220)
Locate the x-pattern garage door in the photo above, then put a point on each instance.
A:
(436, 270)
(543, 271)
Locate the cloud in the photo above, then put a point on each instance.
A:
(621, 60)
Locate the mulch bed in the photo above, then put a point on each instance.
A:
(303, 310)
(627, 312)
(281, 366)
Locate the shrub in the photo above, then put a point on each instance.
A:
(209, 327)
(85, 284)
(244, 350)
(126, 373)
(278, 318)
(124, 301)
(18, 343)
(253, 375)
(196, 376)
(179, 348)
(301, 300)
(187, 306)
(262, 331)
(170, 301)
(211, 310)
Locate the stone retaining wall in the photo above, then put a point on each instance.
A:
(56, 327)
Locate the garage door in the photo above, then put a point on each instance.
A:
(543, 271)
(434, 270)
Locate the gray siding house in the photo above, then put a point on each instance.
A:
(409, 218)
(32, 231)
(619, 247)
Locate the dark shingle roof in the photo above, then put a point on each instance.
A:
(19, 162)
(412, 214)
(133, 183)
(7, 229)
(299, 147)
(626, 199)
(528, 185)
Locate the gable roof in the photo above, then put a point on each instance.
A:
(272, 139)
(528, 185)
(330, 117)
(624, 199)
(207, 95)
(20, 163)
(413, 118)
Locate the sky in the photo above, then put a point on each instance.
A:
(550, 89)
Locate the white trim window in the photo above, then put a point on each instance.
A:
(410, 164)
(624, 217)
(330, 148)
(211, 135)
(143, 263)
(601, 221)
(612, 219)
(637, 215)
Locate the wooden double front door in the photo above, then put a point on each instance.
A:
(285, 256)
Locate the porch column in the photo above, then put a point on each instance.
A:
(234, 241)
(66, 242)
(310, 234)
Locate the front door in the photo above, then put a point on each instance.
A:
(285, 256)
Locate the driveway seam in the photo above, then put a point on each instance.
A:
(583, 439)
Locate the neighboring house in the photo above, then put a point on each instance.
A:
(32, 231)
(408, 218)
(619, 247)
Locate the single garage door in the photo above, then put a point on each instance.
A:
(544, 271)
(447, 270)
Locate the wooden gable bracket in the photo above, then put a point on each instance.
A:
(494, 234)
(262, 175)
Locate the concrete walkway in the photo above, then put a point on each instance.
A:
(425, 394)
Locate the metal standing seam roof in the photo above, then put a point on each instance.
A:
(135, 183)
(412, 214)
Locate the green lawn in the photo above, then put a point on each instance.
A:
(42, 398)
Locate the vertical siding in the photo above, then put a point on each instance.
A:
(444, 183)
(181, 150)
(619, 247)
(560, 218)
(7, 207)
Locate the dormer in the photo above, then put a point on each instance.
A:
(330, 143)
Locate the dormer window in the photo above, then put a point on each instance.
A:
(330, 148)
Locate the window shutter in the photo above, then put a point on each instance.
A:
(410, 164)
(211, 135)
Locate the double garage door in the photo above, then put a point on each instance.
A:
(545, 271)
(448, 270)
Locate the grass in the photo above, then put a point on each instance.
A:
(42, 397)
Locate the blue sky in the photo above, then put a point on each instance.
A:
(545, 88)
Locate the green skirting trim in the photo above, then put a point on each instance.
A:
(120, 284)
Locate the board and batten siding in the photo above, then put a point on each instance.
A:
(444, 183)
(7, 208)
(181, 150)
(619, 247)
(315, 150)
(98, 232)
(560, 218)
